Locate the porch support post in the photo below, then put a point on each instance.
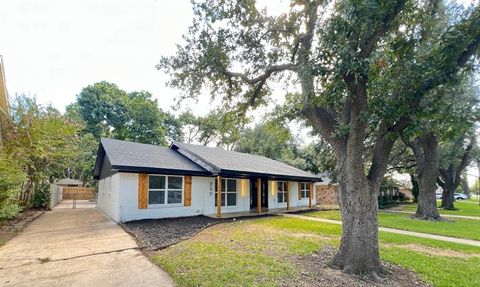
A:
(288, 195)
(219, 197)
(259, 195)
(310, 195)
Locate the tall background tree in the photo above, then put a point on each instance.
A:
(355, 92)
(108, 111)
(449, 113)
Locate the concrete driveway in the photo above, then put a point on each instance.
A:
(76, 247)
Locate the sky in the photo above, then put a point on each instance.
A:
(53, 48)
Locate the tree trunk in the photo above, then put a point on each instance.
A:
(358, 252)
(415, 188)
(427, 201)
(448, 198)
(464, 184)
(425, 149)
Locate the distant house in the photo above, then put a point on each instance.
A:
(140, 181)
(69, 182)
(3, 102)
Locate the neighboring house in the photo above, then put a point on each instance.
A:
(69, 182)
(326, 192)
(3, 102)
(140, 181)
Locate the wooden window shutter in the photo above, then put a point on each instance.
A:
(142, 190)
(187, 201)
(299, 190)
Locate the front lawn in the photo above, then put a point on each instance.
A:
(462, 228)
(293, 252)
(463, 207)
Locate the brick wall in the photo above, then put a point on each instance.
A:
(326, 194)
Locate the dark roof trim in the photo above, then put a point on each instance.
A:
(99, 161)
(234, 173)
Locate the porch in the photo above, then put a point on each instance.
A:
(267, 196)
(265, 211)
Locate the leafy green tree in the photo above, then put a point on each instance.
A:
(269, 139)
(40, 144)
(216, 127)
(108, 111)
(80, 165)
(356, 91)
(450, 111)
(102, 106)
(455, 157)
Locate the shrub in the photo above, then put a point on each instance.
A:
(11, 178)
(41, 199)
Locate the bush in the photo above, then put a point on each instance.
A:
(11, 178)
(41, 199)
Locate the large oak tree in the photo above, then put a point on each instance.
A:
(359, 79)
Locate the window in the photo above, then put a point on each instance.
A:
(165, 189)
(304, 187)
(281, 191)
(229, 190)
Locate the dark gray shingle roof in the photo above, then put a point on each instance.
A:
(242, 162)
(130, 154)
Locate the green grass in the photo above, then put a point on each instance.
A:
(466, 208)
(462, 228)
(441, 271)
(258, 253)
(214, 264)
(328, 229)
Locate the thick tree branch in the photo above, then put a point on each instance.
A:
(324, 123)
(463, 164)
(383, 147)
(263, 77)
(380, 31)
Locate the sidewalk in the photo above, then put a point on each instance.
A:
(441, 214)
(397, 231)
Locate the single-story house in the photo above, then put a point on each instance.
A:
(141, 181)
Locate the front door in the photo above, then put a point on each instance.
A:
(254, 193)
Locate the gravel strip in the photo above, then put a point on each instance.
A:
(155, 234)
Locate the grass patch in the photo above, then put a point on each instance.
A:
(213, 264)
(465, 207)
(461, 228)
(438, 270)
(259, 253)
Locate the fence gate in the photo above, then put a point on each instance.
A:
(78, 193)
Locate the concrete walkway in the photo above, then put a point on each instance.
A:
(398, 231)
(443, 215)
(76, 247)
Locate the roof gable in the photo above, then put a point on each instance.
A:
(137, 157)
(224, 161)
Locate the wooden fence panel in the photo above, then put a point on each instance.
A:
(78, 193)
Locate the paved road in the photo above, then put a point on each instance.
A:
(398, 231)
(76, 247)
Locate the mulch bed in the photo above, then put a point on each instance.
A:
(11, 227)
(156, 234)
